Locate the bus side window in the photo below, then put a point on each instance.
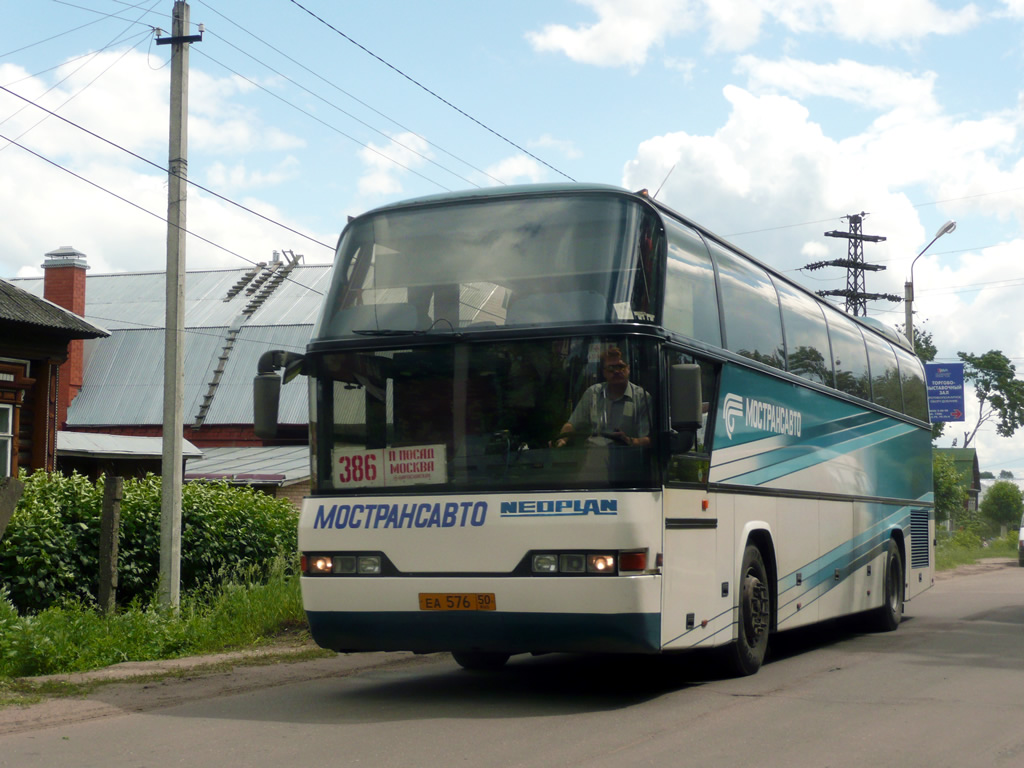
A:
(915, 395)
(689, 458)
(691, 299)
(848, 354)
(750, 307)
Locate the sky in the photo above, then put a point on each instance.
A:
(767, 121)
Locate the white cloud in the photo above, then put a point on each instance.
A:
(518, 169)
(686, 67)
(1014, 7)
(874, 87)
(117, 219)
(872, 21)
(734, 25)
(386, 164)
(227, 179)
(623, 34)
(566, 147)
(626, 31)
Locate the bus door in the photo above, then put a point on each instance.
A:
(697, 535)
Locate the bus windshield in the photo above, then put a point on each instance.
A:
(555, 413)
(477, 264)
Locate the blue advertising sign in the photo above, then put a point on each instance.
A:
(945, 391)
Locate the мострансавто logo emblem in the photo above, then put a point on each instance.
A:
(757, 414)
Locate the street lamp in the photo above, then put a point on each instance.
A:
(908, 287)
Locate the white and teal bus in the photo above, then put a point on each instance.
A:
(568, 419)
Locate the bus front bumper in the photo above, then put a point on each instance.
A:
(530, 615)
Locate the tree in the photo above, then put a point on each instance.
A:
(1002, 503)
(986, 475)
(1000, 394)
(950, 493)
(1005, 474)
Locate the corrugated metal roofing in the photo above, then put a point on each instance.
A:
(136, 299)
(123, 380)
(284, 465)
(233, 402)
(123, 376)
(101, 446)
(20, 306)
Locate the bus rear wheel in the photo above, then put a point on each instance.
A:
(887, 617)
(747, 653)
(480, 661)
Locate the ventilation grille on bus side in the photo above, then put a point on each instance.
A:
(919, 538)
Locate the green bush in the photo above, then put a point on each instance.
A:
(49, 554)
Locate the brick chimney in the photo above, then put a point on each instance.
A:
(64, 284)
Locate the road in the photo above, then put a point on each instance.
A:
(946, 689)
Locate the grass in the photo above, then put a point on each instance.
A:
(76, 638)
(965, 549)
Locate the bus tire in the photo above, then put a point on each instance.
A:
(887, 617)
(754, 615)
(480, 661)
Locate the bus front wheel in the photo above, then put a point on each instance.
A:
(747, 653)
(480, 661)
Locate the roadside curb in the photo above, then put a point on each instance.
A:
(151, 686)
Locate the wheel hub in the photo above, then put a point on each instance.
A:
(756, 600)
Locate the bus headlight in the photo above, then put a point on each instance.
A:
(368, 565)
(344, 564)
(546, 563)
(320, 564)
(580, 563)
(572, 564)
(347, 564)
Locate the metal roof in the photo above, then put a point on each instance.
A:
(122, 381)
(117, 446)
(136, 299)
(278, 465)
(232, 316)
(233, 401)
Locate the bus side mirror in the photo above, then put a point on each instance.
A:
(686, 401)
(687, 404)
(266, 390)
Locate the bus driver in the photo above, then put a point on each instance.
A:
(614, 411)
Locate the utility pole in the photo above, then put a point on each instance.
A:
(172, 469)
(855, 294)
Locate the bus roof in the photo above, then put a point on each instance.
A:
(514, 190)
(510, 190)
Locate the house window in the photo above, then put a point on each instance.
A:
(6, 439)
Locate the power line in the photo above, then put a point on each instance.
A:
(104, 17)
(73, 96)
(338, 130)
(336, 87)
(158, 167)
(193, 331)
(432, 93)
(144, 210)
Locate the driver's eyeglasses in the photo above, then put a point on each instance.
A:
(616, 367)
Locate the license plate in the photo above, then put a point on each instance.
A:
(455, 601)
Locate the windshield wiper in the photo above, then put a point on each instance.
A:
(387, 332)
(412, 332)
